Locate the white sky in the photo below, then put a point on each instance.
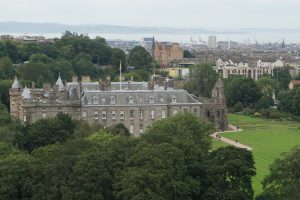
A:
(168, 13)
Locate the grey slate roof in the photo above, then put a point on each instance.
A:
(139, 97)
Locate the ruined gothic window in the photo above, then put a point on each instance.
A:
(218, 113)
(208, 114)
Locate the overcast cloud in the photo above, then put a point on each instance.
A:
(169, 13)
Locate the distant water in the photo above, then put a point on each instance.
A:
(247, 38)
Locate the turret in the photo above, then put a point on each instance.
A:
(16, 86)
(60, 84)
(218, 92)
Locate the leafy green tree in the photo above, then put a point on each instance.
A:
(55, 163)
(285, 101)
(91, 177)
(154, 172)
(188, 54)
(119, 129)
(3, 51)
(244, 90)
(283, 77)
(12, 50)
(5, 85)
(192, 136)
(82, 65)
(296, 101)
(62, 67)
(16, 179)
(6, 68)
(283, 180)
(139, 58)
(48, 131)
(267, 86)
(67, 52)
(201, 81)
(117, 56)
(25, 50)
(37, 72)
(229, 174)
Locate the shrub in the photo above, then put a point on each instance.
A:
(257, 114)
(238, 107)
(248, 111)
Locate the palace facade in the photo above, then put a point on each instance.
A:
(135, 104)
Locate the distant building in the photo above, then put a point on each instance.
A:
(293, 83)
(164, 53)
(212, 42)
(147, 43)
(227, 44)
(137, 105)
(229, 68)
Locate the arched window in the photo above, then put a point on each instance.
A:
(218, 113)
(112, 100)
(208, 114)
(151, 99)
(174, 99)
(130, 99)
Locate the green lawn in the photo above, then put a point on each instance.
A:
(269, 138)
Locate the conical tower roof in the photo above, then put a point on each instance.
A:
(60, 84)
(26, 93)
(16, 84)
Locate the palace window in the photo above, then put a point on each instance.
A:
(44, 115)
(96, 115)
(122, 115)
(84, 114)
(131, 129)
(103, 114)
(195, 111)
(141, 129)
(131, 114)
(141, 114)
(175, 111)
(174, 99)
(24, 118)
(152, 114)
(163, 114)
(113, 114)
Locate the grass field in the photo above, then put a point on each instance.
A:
(269, 139)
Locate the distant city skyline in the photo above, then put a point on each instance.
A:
(159, 13)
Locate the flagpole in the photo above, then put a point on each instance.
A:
(120, 75)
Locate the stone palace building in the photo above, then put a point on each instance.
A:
(135, 104)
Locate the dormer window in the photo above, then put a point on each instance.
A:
(95, 100)
(112, 100)
(151, 99)
(174, 99)
(130, 99)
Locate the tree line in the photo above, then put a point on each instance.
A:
(72, 54)
(62, 159)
